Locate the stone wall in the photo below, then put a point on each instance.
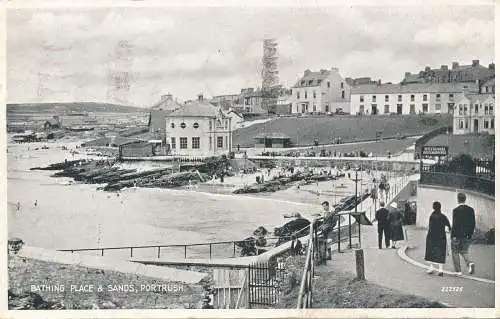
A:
(483, 205)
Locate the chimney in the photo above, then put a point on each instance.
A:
(444, 67)
(427, 68)
(379, 82)
(454, 65)
(307, 72)
(475, 63)
(491, 66)
(200, 97)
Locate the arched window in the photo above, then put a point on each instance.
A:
(183, 125)
(196, 125)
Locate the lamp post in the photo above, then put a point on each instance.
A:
(356, 180)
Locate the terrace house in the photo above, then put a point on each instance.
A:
(474, 113)
(320, 92)
(415, 98)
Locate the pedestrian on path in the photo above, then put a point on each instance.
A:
(383, 226)
(435, 245)
(464, 224)
(396, 224)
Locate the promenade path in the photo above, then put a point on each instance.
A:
(386, 268)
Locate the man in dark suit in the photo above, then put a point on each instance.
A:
(464, 223)
(382, 218)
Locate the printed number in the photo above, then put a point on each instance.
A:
(452, 289)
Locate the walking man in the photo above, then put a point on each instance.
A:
(383, 227)
(464, 223)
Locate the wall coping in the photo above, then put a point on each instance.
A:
(454, 189)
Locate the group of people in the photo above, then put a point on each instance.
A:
(389, 225)
(462, 227)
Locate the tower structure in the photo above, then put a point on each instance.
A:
(119, 77)
(270, 78)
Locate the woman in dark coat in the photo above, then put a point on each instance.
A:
(435, 246)
(396, 224)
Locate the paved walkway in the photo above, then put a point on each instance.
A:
(386, 268)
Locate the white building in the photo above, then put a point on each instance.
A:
(411, 98)
(474, 113)
(198, 129)
(320, 93)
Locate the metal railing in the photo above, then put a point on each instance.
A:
(473, 183)
(158, 248)
(305, 292)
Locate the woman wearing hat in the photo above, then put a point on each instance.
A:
(396, 224)
(435, 246)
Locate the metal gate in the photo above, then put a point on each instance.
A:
(264, 284)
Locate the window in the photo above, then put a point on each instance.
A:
(412, 98)
(437, 107)
(302, 82)
(183, 125)
(343, 94)
(466, 123)
(399, 108)
(425, 108)
(461, 124)
(341, 85)
(314, 94)
(327, 108)
(361, 109)
(310, 82)
(328, 84)
(424, 97)
(298, 94)
(361, 98)
(374, 98)
(460, 109)
(387, 98)
(465, 109)
(486, 124)
(451, 96)
(319, 82)
(210, 125)
(172, 143)
(438, 97)
(400, 98)
(305, 94)
(314, 107)
(219, 142)
(209, 143)
(172, 125)
(386, 108)
(491, 109)
(476, 108)
(195, 143)
(492, 124)
(412, 108)
(196, 125)
(247, 101)
(183, 143)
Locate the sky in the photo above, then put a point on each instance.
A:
(66, 55)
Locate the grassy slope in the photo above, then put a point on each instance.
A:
(25, 272)
(304, 130)
(477, 145)
(340, 290)
(75, 107)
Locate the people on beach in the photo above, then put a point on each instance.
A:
(435, 244)
(396, 224)
(36, 203)
(383, 226)
(464, 224)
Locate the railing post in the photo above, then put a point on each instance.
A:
(185, 251)
(131, 252)
(159, 251)
(102, 252)
(234, 249)
(210, 251)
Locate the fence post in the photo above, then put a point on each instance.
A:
(102, 252)
(159, 251)
(131, 249)
(360, 264)
(210, 252)
(185, 252)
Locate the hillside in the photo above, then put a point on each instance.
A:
(304, 130)
(71, 107)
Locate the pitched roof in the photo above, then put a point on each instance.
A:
(272, 135)
(166, 104)
(196, 109)
(413, 88)
(314, 77)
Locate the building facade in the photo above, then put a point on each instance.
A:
(474, 113)
(416, 98)
(198, 129)
(321, 92)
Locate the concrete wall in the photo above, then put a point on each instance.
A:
(483, 205)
